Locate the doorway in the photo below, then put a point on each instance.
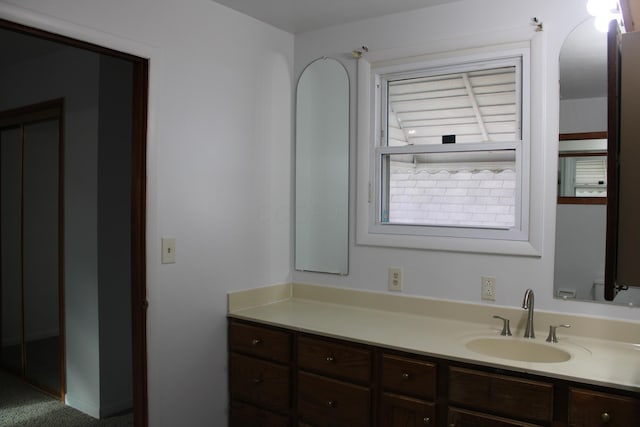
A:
(30, 231)
(136, 195)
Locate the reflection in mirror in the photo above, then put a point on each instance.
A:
(322, 168)
(581, 222)
(582, 169)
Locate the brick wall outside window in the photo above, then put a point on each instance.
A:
(425, 194)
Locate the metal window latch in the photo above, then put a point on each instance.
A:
(506, 330)
(552, 332)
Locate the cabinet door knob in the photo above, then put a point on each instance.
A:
(405, 375)
(257, 380)
(426, 420)
(331, 403)
(330, 359)
(256, 341)
(606, 417)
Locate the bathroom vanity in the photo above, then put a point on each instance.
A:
(355, 367)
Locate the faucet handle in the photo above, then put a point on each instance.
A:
(552, 332)
(506, 330)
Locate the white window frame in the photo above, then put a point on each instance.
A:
(370, 231)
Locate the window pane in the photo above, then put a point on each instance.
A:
(473, 106)
(591, 176)
(460, 189)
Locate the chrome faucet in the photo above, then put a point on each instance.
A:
(527, 304)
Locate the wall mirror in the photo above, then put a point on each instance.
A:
(581, 215)
(322, 168)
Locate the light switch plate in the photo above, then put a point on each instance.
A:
(168, 250)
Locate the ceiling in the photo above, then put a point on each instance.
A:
(299, 16)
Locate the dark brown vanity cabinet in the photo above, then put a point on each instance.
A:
(281, 378)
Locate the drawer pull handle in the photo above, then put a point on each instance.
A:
(329, 359)
(256, 341)
(606, 417)
(257, 380)
(426, 420)
(405, 375)
(331, 403)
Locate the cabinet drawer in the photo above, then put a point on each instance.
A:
(326, 402)
(245, 415)
(590, 409)
(524, 399)
(409, 376)
(334, 359)
(260, 382)
(262, 342)
(462, 418)
(396, 410)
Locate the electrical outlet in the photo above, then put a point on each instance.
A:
(489, 288)
(395, 279)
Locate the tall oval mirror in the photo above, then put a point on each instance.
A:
(581, 215)
(322, 168)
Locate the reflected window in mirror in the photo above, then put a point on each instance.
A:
(582, 168)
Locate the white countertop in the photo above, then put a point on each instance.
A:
(595, 361)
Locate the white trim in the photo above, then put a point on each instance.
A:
(75, 31)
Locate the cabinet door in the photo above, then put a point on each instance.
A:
(501, 394)
(407, 376)
(463, 418)
(245, 415)
(593, 409)
(403, 411)
(260, 342)
(324, 402)
(260, 382)
(334, 359)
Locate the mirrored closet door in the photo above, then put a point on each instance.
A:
(30, 251)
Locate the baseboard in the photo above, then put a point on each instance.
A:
(82, 406)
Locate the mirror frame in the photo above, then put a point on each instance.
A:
(614, 47)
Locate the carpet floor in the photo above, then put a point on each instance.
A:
(24, 406)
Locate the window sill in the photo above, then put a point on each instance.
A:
(449, 244)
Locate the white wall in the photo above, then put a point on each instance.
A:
(464, 24)
(114, 234)
(580, 247)
(583, 115)
(220, 105)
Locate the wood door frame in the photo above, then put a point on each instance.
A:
(139, 302)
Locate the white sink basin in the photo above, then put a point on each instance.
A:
(523, 351)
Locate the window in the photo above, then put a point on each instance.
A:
(449, 149)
